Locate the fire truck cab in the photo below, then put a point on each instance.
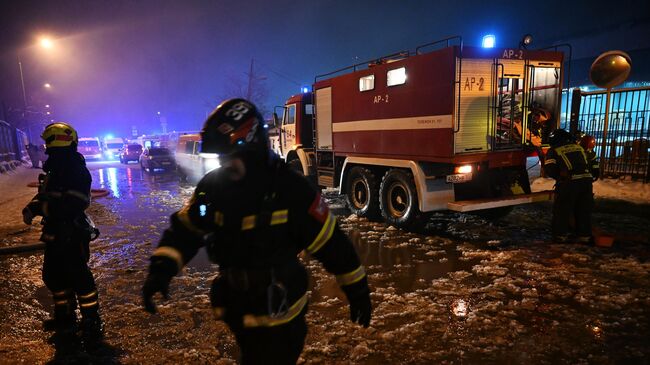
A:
(416, 132)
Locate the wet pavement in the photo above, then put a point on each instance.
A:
(461, 290)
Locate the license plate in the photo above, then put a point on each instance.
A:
(459, 178)
(166, 163)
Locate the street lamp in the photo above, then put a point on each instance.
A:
(44, 43)
(47, 85)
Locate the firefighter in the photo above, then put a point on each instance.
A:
(566, 162)
(64, 195)
(254, 216)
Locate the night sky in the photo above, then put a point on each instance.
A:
(115, 64)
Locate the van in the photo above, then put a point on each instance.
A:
(90, 148)
(190, 163)
(112, 147)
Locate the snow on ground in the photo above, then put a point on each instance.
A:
(620, 189)
(464, 290)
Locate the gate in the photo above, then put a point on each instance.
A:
(628, 132)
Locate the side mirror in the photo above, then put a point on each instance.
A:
(276, 119)
(277, 122)
(610, 69)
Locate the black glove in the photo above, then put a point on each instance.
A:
(155, 283)
(358, 295)
(160, 274)
(27, 216)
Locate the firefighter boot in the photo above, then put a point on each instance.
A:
(64, 325)
(92, 327)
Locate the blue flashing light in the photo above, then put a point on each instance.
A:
(108, 136)
(489, 41)
(304, 89)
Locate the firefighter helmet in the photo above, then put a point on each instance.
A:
(588, 142)
(235, 125)
(59, 134)
(541, 115)
(560, 137)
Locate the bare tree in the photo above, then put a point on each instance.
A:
(251, 85)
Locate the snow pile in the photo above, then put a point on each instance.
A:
(632, 191)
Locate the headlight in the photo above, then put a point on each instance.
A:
(210, 161)
(463, 169)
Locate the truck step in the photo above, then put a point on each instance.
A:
(479, 204)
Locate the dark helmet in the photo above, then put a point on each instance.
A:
(234, 126)
(560, 137)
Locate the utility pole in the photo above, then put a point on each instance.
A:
(249, 92)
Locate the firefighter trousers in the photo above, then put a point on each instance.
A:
(279, 345)
(573, 199)
(66, 274)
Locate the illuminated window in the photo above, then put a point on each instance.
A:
(396, 76)
(367, 83)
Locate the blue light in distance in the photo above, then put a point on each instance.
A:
(304, 89)
(489, 40)
(108, 136)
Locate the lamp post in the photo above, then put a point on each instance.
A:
(45, 43)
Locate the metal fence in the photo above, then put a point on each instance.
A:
(12, 143)
(627, 139)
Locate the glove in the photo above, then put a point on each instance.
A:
(358, 295)
(27, 216)
(156, 282)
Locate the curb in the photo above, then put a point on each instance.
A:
(11, 250)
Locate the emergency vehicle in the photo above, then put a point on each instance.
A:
(438, 128)
(192, 164)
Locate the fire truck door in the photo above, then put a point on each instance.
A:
(288, 129)
(510, 104)
(473, 105)
(324, 118)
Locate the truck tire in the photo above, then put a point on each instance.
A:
(399, 199)
(362, 197)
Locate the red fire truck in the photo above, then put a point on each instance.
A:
(435, 129)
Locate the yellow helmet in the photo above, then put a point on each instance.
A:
(59, 134)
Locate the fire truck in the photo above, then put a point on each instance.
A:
(443, 127)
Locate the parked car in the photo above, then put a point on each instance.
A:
(90, 148)
(157, 159)
(130, 152)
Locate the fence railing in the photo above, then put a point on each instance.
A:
(628, 131)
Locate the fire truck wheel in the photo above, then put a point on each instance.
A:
(362, 195)
(398, 199)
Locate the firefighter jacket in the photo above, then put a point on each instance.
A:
(567, 163)
(254, 229)
(64, 195)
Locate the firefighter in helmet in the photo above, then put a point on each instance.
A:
(63, 196)
(566, 162)
(254, 216)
